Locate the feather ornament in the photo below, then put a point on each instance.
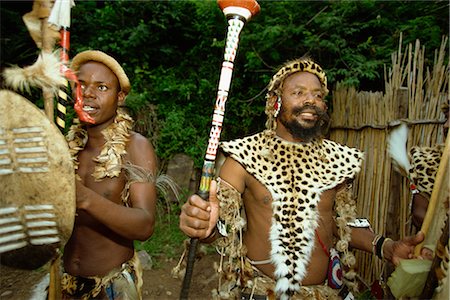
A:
(397, 149)
(44, 73)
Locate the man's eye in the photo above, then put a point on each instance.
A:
(102, 88)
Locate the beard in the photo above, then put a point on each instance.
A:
(317, 128)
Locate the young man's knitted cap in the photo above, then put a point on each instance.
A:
(101, 57)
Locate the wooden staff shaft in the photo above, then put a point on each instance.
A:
(237, 13)
(439, 187)
(209, 162)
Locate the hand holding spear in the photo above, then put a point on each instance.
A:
(237, 12)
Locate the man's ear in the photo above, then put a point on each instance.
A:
(121, 98)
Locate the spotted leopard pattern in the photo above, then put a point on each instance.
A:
(299, 65)
(295, 174)
(424, 166)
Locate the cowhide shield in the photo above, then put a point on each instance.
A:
(37, 185)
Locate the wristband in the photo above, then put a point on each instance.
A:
(379, 247)
(210, 236)
(382, 246)
(374, 243)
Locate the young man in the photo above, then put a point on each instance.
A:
(116, 193)
(295, 189)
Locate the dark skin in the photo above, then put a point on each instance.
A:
(419, 208)
(198, 217)
(104, 229)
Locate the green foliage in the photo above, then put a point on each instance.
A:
(173, 51)
(17, 47)
(179, 132)
(167, 239)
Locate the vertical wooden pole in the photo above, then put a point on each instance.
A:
(436, 273)
(394, 207)
(48, 43)
(54, 287)
(392, 228)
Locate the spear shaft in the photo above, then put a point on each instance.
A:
(237, 12)
(63, 93)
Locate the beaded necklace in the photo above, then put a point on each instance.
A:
(116, 135)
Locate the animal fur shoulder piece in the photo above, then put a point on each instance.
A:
(296, 174)
(424, 166)
(44, 73)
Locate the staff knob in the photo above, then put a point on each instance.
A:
(239, 8)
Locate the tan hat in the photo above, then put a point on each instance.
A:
(101, 57)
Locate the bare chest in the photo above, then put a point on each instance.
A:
(108, 187)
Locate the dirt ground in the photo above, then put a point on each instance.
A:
(158, 282)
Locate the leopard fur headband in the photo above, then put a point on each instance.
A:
(303, 64)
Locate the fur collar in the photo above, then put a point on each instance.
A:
(296, 174)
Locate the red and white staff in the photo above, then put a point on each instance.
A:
(237, 12)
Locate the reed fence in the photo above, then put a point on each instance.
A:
(414, 92)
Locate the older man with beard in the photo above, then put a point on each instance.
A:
(282, 205)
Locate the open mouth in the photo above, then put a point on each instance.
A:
(88, 108)
(308, 116)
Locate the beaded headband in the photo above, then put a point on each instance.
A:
(303, 64)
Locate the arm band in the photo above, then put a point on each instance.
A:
(382, 246)
(374, 243)
(379, 247)
(210, 237)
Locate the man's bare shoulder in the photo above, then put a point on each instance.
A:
(138, 140)
(234, 173)
(140, 150)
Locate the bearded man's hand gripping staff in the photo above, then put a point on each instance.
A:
(237, 12)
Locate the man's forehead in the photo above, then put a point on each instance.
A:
(98, 69)
(302, 79)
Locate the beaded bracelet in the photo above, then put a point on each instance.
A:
(377, 245)
(374, 243)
